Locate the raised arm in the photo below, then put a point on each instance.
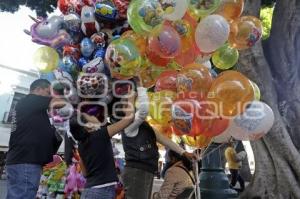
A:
(141, 113)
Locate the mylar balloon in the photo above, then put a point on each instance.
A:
(225, 57)
(199, 141)
(145, 16)
(166, 81)
(231, 9)
(160, 106)
(229, 94)
(202, 8)
(46, 59)
(87, 47)
(211, 33)
(254, 123)
(245, 32)
(69, 65)
(174, 9)
(167, 43)
(123, 58)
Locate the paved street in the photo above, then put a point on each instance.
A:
(2, 189)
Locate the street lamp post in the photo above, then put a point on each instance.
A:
(213, 181)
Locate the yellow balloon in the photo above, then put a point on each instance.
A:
(199, 141)
(160, 106)
(46, 59)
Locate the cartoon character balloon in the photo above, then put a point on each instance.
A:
(245, 32)
(123, 58)
(49, 32)
(89, 25)
(87, 47)
(254, 123)
(211, 33)
(145, 16)
(106, 11)
(174, 9)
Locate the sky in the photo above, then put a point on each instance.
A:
(16, 47)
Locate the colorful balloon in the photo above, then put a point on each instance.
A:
(160, 106)
(150, 74)
(145, 16)
(254, 123)
(106, 11)
(87, 47)
(225, 57)
(202, 8)
(139, 40)
(211, 33)
(199, 141)
(123, 58)
(231, 9)
(156, 59)
(166, 81)
(46, 59)
(185, 119)
(89, 25)
(69, 65)
(229, 94)
(166, 43)
(194, 77)
(245, 32)
(174, 9)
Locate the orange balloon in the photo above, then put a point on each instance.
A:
(156, 59)
(199, 141)
(231, 9)
(213, 126)
(245, 32)
(229, 94)
(139, 40)
(166, 81)
(194, 77)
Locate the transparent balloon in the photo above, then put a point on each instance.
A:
(46, 59)
(225, 57)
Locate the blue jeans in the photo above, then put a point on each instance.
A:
(23, 180)
(99, 193)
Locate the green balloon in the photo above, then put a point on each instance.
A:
(145, 16)
(225, 57)
(256, 89)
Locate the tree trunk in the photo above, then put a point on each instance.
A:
(277, 160)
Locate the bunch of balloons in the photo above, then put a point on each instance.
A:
(174, 46)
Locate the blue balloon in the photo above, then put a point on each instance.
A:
(87, 47)
(82, 61)
(100, 53)
(106, 11)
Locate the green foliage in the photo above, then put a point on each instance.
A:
(42, 7)
(266, 14)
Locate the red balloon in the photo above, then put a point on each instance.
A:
(156, 59)
(166, 81)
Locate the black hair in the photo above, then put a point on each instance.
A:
(39, 83)
(186, 162)
(78, 131)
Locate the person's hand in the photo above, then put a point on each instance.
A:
(190, 156)
(92, 124)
